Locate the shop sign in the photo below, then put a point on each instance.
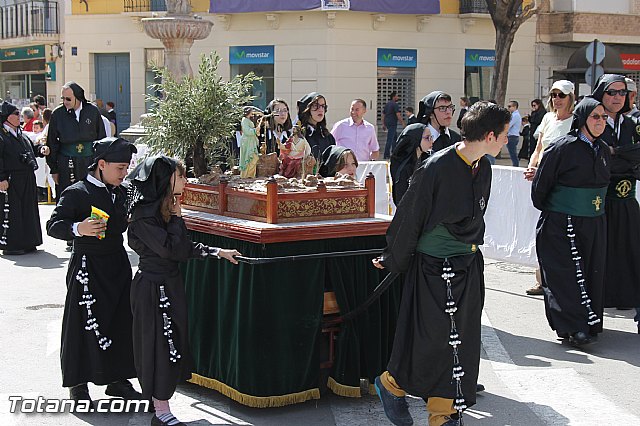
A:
(398, 58)
(21, 53)
(250, 55)
(479, 58)
(50, 71)
(630, 61)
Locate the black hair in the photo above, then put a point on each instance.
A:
(410, 109)
(515, 103)
(392, 95)
(482, 118)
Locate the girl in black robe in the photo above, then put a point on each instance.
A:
(20, 230)
(569, 188)
(412, 148)
(434, 239)
(96, 326)
(312, 109)
(158, 234)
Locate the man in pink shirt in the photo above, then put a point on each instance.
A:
(357, 134)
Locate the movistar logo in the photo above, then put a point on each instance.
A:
(240, 55)
(386, 57)
(397, 58)
(251, 55)
(475, 57)
(472, 57)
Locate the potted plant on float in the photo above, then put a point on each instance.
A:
(197, 116)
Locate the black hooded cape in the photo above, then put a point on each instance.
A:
(622, 282)
(157, 290)
(425, 109)
(404, 160)
(571, 162)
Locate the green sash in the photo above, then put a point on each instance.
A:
(588, 202)
(441, 244)
(77, 149)
(622, 188)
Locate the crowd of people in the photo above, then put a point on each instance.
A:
(583, 162)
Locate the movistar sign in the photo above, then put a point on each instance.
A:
(479, 57)
(402, 58)
(251, 54)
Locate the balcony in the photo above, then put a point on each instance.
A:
(145, 6)
(473, 6)
(29, 19)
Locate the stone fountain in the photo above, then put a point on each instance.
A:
(177, 31)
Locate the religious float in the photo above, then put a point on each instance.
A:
(259, 330)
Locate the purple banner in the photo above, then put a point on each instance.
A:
(243, 6)
(414, 7)
(417, 7)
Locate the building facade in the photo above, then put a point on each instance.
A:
(366, 51)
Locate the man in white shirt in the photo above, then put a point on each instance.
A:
(357, 134)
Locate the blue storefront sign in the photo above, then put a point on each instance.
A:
(399, 58)
(250, 55)
(479, 57)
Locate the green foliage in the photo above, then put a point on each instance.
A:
(202, 109)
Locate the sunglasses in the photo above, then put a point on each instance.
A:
(66, 99)
(604, 117)
(558, 95)
(613, 92)
(444, 108)
(315, 107)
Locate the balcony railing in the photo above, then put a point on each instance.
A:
(145, 6)
(30, 18)
(473, 6)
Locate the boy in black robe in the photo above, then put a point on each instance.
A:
(20, 230)
(569, 188)
(434, 239)
(622, 134)
(96, 326)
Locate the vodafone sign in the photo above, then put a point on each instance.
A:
(630, 61)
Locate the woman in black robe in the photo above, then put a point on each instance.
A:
(569, 188)
(159, 235)
(96, 326)
(312, 109)
(434, 238)
(412, 148)
(20, 230)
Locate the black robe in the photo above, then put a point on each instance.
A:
(622, 281)
(17, 161)
(81, 357)
(319, 139)
(161, 247)
(443, 191)
(571, 162)
(445, 141)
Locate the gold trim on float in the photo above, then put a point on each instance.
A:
(343, 390)
(255, 401)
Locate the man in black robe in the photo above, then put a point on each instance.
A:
(97, 344)
(20, 231)
(73, 128)
(622, 134)
(569, 188)
(434, 239)
(436, 111)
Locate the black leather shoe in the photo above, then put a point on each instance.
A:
(14, 252)
(155, 421)
(80, 393)
(579, 338)
(124, 389)
(479, 387)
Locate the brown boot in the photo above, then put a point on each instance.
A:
(536, 290)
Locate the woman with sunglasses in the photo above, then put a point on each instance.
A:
(555, 123)
(312, 109)
(569, 188)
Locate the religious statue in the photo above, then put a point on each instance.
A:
(249, 143)
(295, 155)
(178, 7)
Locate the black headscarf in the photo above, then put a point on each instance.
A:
(78, 91)
(6, 110)
(603, 84)
(330, 158)
(304, 101)
(581, 113)
(149, 182)
(112, 150)
(403, 159)
(427, 105)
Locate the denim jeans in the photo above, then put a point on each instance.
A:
(391, 141)
(512, 146)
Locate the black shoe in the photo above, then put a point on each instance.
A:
(155, 421)
(14, 252)
(479, 387)
(395, 408)
(579, 339)
(451, 422)
(80, 393)
(124, 389)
